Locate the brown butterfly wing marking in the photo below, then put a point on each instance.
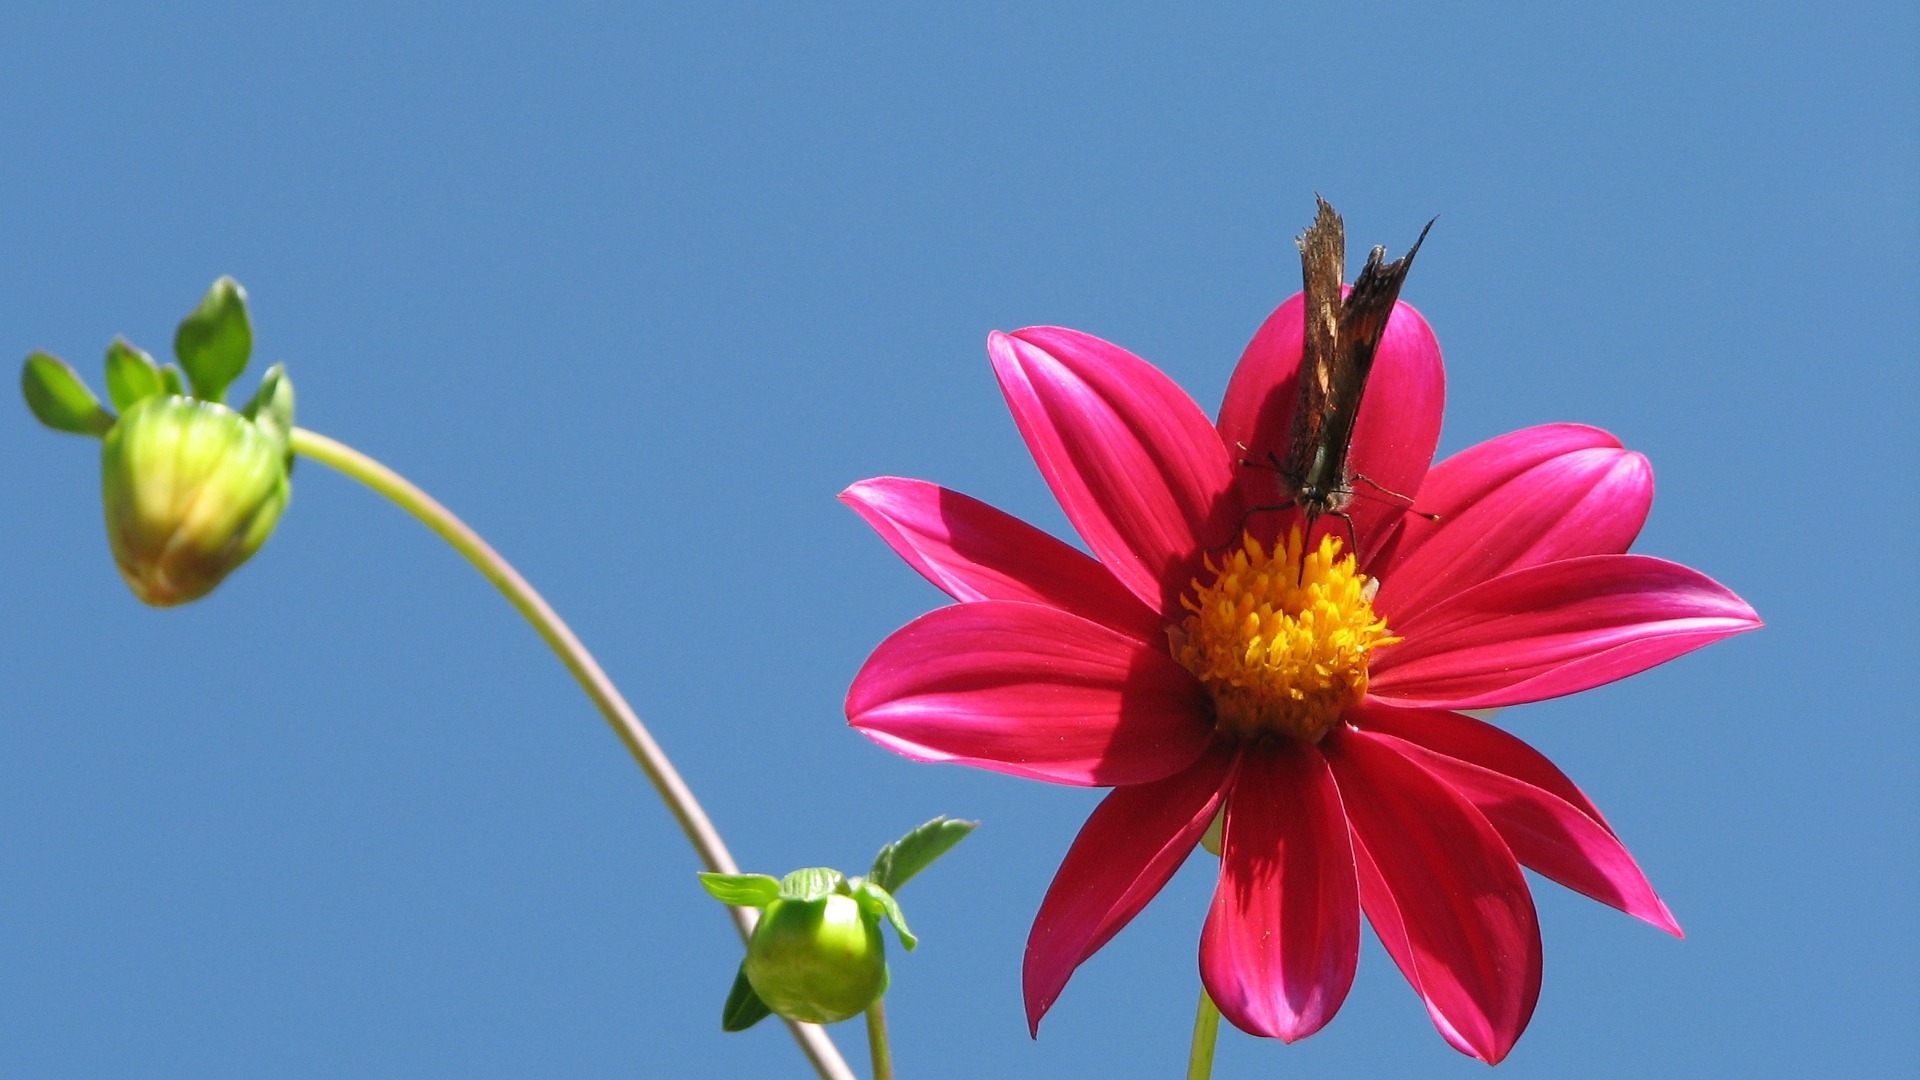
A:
(1363, 322)
(1341, 340)
(1323, 259)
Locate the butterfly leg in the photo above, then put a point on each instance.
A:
(1272, 462)
(1405, 501)
(1248, 516)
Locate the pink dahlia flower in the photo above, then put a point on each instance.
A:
(1207, 664)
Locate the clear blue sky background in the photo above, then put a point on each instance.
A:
(637, 291)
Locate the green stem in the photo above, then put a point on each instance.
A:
(1206, 1028)
(653, 761)
(877, 1046)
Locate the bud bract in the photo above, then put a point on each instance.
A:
(819, 961)
(191, 490)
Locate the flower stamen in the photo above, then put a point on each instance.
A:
(1281, 638)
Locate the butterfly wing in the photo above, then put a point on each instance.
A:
(1323, 257)
(1362, 323)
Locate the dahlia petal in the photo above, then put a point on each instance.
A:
(1444, 894)
(1258, 408)
(1585, 502)
(1283, 936)
(1547, 822)
(972, 551)
(1032, 691)
(1383, 914)
(1474, 472)
(1133, 461)
(1132, 844)
(1394, 436)
(1399, 425)
(1473, 740)
(1470, 475)
(1554, 629)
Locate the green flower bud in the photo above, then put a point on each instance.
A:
(191, 489)
(816, 955)
(820, 961)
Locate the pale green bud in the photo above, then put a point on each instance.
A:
(820, 961)
(816, 955)
(191, 490)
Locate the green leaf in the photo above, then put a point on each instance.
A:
(901, 860)
(215, 340)
(741, 890)
(876, 901)
(132, 376)
(811, 883)
(272, 406)
(744, 1007)
(170, 380)
(59, 398)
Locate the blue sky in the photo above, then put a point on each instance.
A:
(637, 291)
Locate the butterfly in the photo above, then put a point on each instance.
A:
(1342, 336)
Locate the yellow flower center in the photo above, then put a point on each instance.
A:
(1281, 643)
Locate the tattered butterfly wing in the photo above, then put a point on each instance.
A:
(1342, 335)
(1323, 258)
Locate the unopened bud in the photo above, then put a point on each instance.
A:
(191, 489)
(820, 961)
(816, 955)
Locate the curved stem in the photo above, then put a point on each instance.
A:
(877, 1046)
(1206, 1029)
(653, 761)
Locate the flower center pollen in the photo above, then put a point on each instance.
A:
(1279, 640)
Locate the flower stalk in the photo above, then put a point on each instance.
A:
(626, 724)
(879, 1050)
(1206, 1031)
